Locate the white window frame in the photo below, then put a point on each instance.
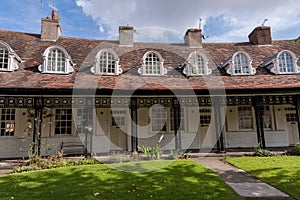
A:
(96, 69)
(159, 63)
(277, 63)
(231, 63)
(11, 56)
(194, 65)
(7, 122)
(68, 64)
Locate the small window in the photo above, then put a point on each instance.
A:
(63, 121)
(9, 60)
(239, 63)
(159, 118)
(7, 122)
(56, 60)
(267, 117)
(245, 115)
(152, 64)
(118, 118)
(196, 65)
(107, 63)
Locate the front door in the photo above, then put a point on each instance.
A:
(118, 137)
(292, 125)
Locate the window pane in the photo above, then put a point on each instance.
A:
(152, 64)
(7, 122)
(197, 63)
(241, 64)
(56, 61)
(180, 121)
(286, 63)
(63, 121)
(3, 58)
(159, 117)
(107, 63)
(245, 117)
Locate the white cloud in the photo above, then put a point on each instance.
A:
(240, 16)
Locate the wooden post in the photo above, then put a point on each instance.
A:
(134, 139)
(259, 121)
(218, 124)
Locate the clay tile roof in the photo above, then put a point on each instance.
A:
(83, 51)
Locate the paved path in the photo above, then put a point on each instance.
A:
(6, 166)
(243, 183)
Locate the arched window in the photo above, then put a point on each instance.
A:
(9, 60)
(196, 65)
(152, 64)
(56, 60)
(107, 63)
(3, 57)
(239, 63)
(284, 62)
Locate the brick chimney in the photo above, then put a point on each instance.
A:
(193, 37)
(51, 30)
(261, 35)
(126, 36)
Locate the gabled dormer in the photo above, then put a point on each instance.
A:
(9, 60)
(196, 65)
(284, 62)
(107, 63)
(56, 60)
(152, 65)
(240, 63)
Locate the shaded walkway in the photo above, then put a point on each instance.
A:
(243, 183)
(6, 166)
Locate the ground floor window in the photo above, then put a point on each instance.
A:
(205, 117)
(63, 121)
(8, 122)
(180, 122)
(245, 117)
(159, 118)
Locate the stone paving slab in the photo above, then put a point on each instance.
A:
(6, 166)
(243, 183)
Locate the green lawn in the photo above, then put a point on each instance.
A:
(181, 179)
(282, 172)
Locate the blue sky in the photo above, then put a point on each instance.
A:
(156, 20)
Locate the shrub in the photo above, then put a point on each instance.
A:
(151, 152)
(259, 151)
(295, 151)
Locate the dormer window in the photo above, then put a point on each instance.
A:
(284, 62)
(56, 60)
(9, 60)
(153, 64)
(239, 63)
(197, 64)
(107, 63)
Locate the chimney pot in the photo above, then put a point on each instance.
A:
(53, 15)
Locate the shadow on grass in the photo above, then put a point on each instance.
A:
(179, 180)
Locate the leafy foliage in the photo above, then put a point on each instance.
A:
(259, 151)
(53, 161)
(151, 152)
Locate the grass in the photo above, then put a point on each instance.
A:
(181, 179)
(283, 172)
